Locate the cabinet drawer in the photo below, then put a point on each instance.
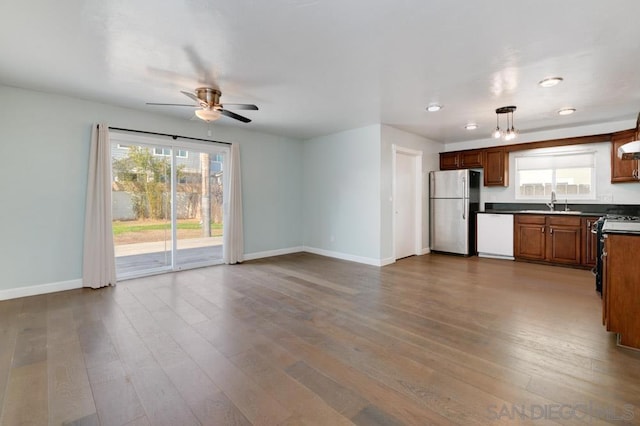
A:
(565, 221)
(531, 219)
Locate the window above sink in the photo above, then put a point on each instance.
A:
(569, 172)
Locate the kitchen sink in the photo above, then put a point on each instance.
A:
(551, 211)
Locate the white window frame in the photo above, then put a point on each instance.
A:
(550, 153)
(180, 153)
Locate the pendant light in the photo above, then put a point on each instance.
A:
(497, 133)
(510, 131)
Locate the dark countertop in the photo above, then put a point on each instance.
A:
(585, 209)
(543, 212)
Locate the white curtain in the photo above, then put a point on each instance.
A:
(98, 263)
(233, 236)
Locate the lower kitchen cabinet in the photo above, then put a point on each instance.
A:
(564, 239)
(529, 239)
(553, 239)
(621, 289)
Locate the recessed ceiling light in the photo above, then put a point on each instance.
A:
(567, 111)
(434, 107)
(471, 126)
(550, 81)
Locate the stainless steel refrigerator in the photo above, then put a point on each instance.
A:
(454, 198)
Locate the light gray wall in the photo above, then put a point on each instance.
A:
(430, 161)
(44, 147)
(341, 186)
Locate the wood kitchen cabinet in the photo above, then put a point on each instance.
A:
(622, 170)
(469, 159)
(529, 239)
(564, 237)
(494, 161)
(621, 287)
(589, 242)
(554, 239)
(449, 160)
(496, 167)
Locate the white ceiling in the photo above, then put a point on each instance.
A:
(315, 67)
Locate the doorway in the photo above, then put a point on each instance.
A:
(407, 202)
(166, 204)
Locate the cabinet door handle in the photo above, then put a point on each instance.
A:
(542, 229)
(550, 230)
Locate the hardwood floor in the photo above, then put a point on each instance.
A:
(307, 340)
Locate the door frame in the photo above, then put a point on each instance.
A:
(170, 142)
(417, 158)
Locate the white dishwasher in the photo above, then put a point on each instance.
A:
(495, 235)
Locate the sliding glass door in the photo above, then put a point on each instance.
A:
(199, 210)
(166, 204)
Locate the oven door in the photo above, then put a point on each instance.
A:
(597, 270)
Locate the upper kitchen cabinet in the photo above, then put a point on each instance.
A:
(622, 170)
(469, 159)
(496, 167)
(495, 162)
(449, 160)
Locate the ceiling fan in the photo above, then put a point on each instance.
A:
(208, 99)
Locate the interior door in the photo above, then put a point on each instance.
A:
(405, 206)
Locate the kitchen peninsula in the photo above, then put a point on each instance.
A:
(621, 281)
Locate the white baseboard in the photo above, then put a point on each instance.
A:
(387, 261)
(270, 253)
(344, 256)
(425, 250)
(34, 290)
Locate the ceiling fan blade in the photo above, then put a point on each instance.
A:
(241, 106)
(234, 115)
(192, 96)
(184, 105)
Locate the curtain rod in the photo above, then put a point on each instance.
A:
(166, 134)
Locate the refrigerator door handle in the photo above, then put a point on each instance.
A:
(464, 204)
(464, 187)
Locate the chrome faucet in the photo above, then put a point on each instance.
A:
(552, 204)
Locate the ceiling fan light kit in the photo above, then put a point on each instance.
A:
(208, 99)
(208, 115)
